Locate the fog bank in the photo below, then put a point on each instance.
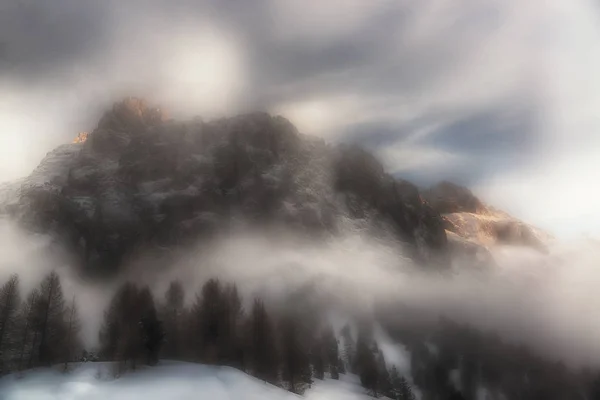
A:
(547, 302)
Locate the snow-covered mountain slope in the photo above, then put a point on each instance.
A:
(168, 381)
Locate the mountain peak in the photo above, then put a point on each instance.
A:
(448, 197)
(142, 181)
(82, 137)
(131, 114)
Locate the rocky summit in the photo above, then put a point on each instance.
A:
(141, 180)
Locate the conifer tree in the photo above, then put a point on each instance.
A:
(9, 304)
(72, 343)
(384, 384)
(318, 357)
(26, 332)
(294, 356)
(263, 356)
(349, 348)
(173, 316)
(332, 357)
(233, 343)
(399, 387)
(365, 364)
(119, 334)
(50, 322)
(207, 314)
(151, 333)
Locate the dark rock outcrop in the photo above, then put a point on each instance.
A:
(447, 197)
(142, 180)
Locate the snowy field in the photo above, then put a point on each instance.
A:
(168, 381)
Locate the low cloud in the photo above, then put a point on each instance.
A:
(547, 302)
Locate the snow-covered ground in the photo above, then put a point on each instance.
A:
(168, 381)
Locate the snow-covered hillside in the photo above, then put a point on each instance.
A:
(168, 381)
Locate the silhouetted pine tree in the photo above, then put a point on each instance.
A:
(349, 352)
(233, 347)
(365, 364)
(399, 387)
(72, 344)
(406, 390)
(207, 319)
(50, 322)
(28, 335)
(295, 361)
(332, 357)
(173, 317)
(119, 334)
(131, 332)
(261, 347)
(384, 384)
(9, 307)
(151, 329)
(341, 367)
(317, 355)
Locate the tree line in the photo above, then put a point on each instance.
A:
(40, 330)
(288, 349)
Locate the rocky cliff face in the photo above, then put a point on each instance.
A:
(140, 179)
(473, 227)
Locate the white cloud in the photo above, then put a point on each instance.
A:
(559, 191)
(323, 116)
(401, 157)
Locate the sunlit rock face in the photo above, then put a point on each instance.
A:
(473, 227)
(141, 180)
(81, 137)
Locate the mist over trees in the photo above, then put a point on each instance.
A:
(285, 349)
(291, 348)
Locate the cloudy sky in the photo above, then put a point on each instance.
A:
(500, 95)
